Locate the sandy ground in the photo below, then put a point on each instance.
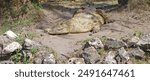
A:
(124, 24)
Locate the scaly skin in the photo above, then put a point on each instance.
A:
(84, 20)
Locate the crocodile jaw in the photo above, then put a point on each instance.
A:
(56, 32)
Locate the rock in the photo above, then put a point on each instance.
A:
(133, 41)
(112, 43)
(28, 44)
(26, 54)
(12, 47)
(44, 57)
(38, 59)
(1, 51)
(76, 61)
(109, 58)
(49, 59)
(91, 55)
(122, 56)
(1, 48)
(10, 34)
(136, 52)
(129, 62)
(144, 42)
(4, 40)
(95, 42)
(7, 62)
(145, 39)
(123, 53)
(119, 59)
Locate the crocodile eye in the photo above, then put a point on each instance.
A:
(70, 60)
(95, 21)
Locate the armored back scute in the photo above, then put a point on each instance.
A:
(92, 10)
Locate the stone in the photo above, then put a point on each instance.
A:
(76, 61)
(144, 42)
(109, 58)
(136, 52)
(49, 59)
(122, 56)
(10, 34)
(28, 44)
(91, 55)
(123, 53)
(4, 40)
(96, 43)
(12, 47)
(133, 41)
(112, 43)
(26, 54)
(1, 51)
(38, 59)
(44, 57)
(1, 48)
(145, 39)
(119, 59)
(7, 62)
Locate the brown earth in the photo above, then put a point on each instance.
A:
(124, 24)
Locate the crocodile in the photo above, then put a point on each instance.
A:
(83, 20)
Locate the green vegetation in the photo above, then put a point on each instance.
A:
(145, 60)
(16, 14)
(16, 56)
(101, 51)
(19, 39)
(52, 51)
(139, 61)
(14, 25)
(33, 51)
(58, 60)
(32, 35)
(103, 39)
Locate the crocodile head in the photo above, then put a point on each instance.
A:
(60, 28)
